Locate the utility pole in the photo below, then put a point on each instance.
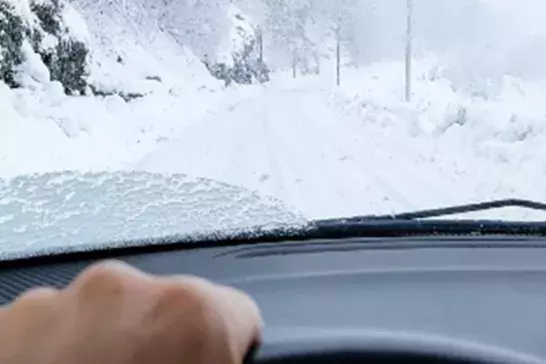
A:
(409, 48)
(294, 62)
(338, 54)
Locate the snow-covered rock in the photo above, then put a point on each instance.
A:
(240, 57)
(41, 41)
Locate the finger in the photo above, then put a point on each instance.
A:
(35, 305)
(232, 309)
(113, 268)
(36, 296)
(32, 315)
(113, 291)
(243, 317)
(228, 299)
(108, 277)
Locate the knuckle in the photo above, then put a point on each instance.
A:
(35, 301)
(179, 296)
(102, 277)
(185, 298)
(37, 294)
(190, 310)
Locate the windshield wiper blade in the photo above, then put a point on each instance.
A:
(454, 210)
(339, 229)
(374, 226)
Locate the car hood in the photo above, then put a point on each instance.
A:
(70, 211)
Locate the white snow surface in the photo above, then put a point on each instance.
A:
(324, 151)
(75, 211)
(130, 50)
(22, 9)
(360, 151)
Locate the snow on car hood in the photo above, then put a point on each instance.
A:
(70, 211)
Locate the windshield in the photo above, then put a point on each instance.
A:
(117, 117)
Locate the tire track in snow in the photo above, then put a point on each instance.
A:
(200, 149)
(313, 127)
(270, 141)
(371, 173)
(252, 156)
(411, 184)
(277, 174)
(243, 145)
(324, 162)
(432, 185)
(304, 171)
(324, 189)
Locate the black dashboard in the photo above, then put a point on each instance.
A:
(488, 291)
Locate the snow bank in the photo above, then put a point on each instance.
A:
(511, 111)
(493, 133)
(42, 130)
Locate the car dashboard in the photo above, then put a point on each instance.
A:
(485, 290)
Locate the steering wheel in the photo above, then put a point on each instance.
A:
(357, 347)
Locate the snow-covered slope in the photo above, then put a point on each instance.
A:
(133, 52)
(131, 48)
(43, 130)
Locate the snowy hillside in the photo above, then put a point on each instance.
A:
(474, 129)
(43, 40)
(44, 130)
(131, 49)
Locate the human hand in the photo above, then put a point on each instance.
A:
(113, 313)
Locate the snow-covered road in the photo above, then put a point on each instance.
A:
(324, 151)
(306, 146)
